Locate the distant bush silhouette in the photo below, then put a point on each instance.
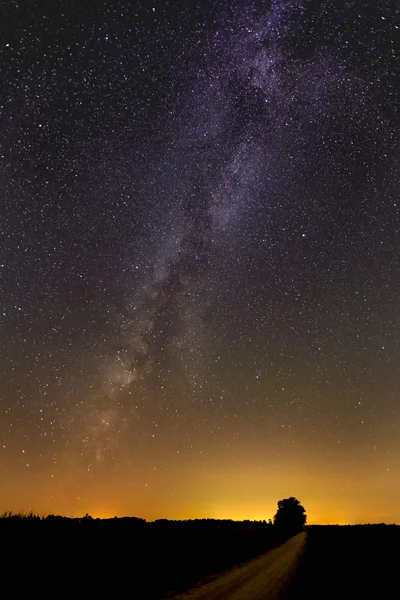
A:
(290, 516)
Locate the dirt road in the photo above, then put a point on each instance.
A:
(264, 578)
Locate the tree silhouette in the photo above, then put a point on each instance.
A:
(290, 516)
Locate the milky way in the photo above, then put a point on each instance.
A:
(200, 253)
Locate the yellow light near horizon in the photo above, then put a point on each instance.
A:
(332, 492)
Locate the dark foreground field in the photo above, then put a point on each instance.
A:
(349, 562)
(114, 557)
(150, 561)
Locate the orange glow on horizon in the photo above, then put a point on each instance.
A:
(237, 490)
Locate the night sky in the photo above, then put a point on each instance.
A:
(200, 258)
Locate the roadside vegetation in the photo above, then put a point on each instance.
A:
(157, 559)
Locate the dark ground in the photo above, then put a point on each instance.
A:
(349, 562)
(114, 557)
(150, 561)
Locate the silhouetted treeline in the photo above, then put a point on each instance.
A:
(152, 559)
(29, 521)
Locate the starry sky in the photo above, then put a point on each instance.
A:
(200, 258)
